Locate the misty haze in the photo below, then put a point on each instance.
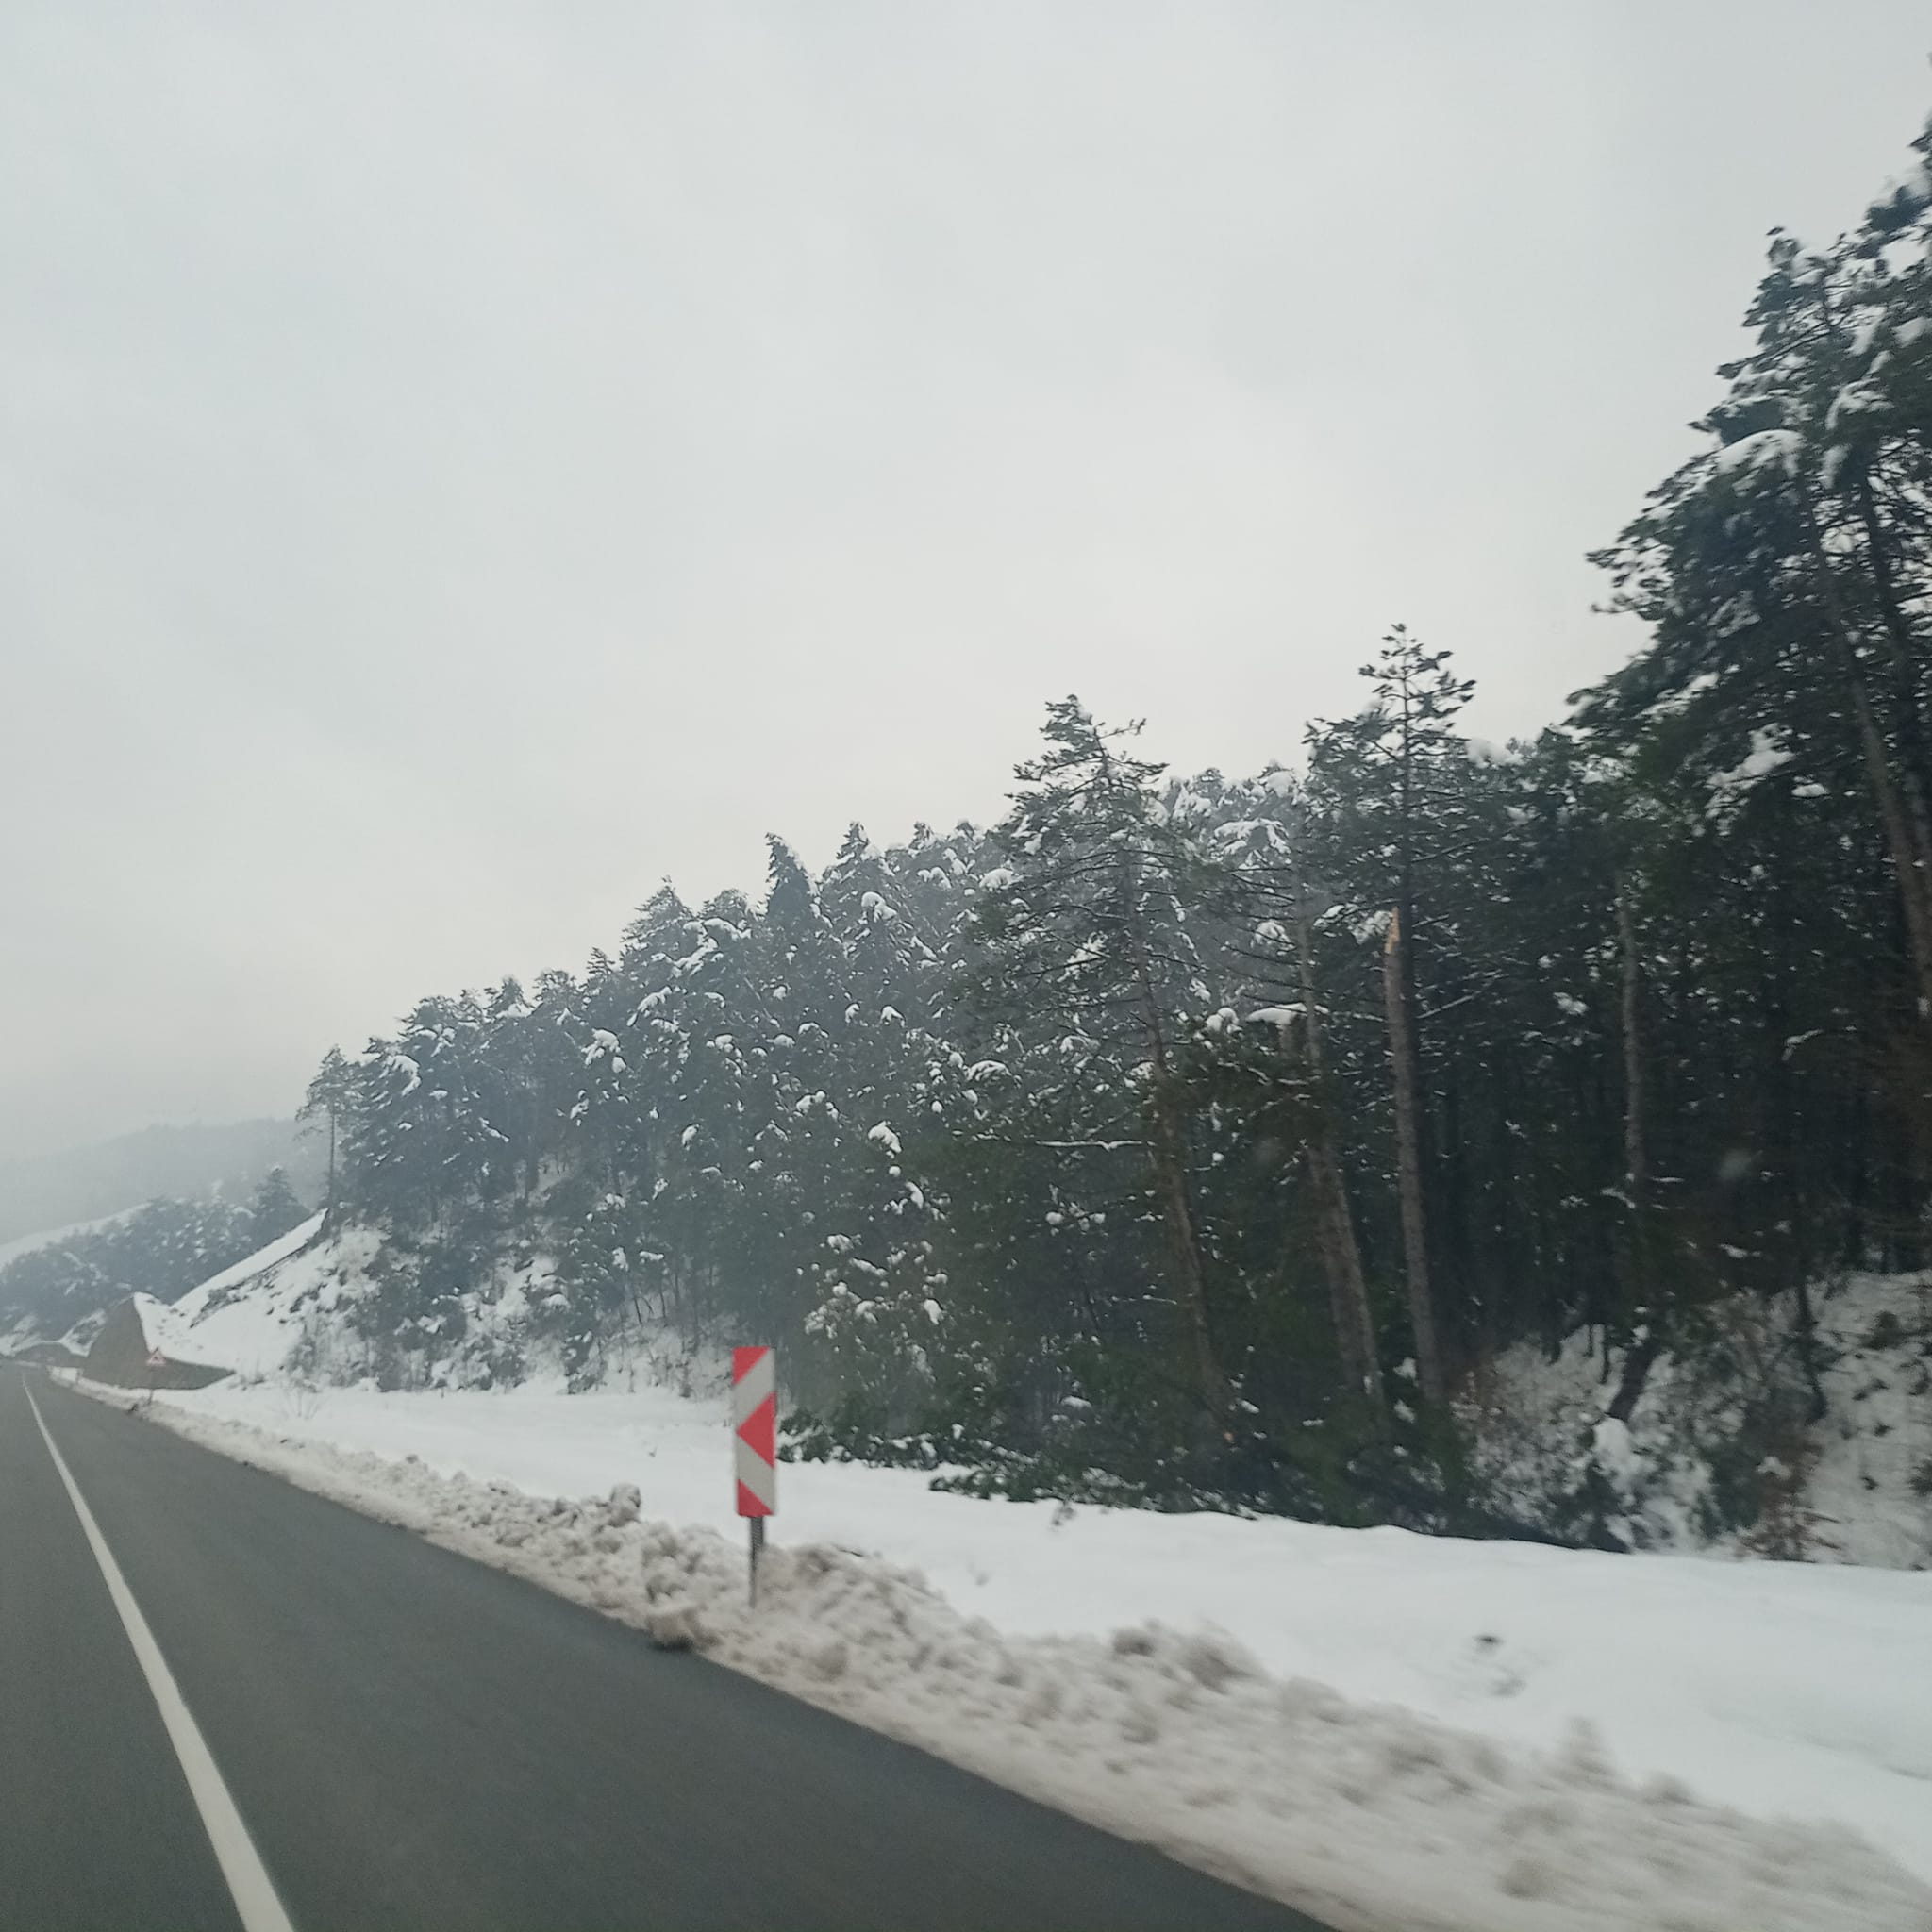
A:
(967, 967)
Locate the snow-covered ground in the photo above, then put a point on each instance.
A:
(1845, 1490)
(1443, 1681)
(248, 1316)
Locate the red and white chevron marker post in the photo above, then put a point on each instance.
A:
(754, 1426)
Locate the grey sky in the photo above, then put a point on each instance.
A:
(460, 463)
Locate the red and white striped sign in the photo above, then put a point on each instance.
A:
(755, 1418)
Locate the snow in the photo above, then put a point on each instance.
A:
(30, 1243)
(1778, 1689)
(1276, 1016)
(166, 1331)
(1858, 1502)
(248, 1316)
(1768, 448)
(1485, 751)
(1854, 399)
(278, 1250)
(1768, 753)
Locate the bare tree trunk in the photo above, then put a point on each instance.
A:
(1909, 861)
(1636, 1161)
(1167, 1155)
(1342, 1262)
(1644, 1351)
(1342, 1258)
(1402, 1056)
(1636, 1367)
(1906, 831)
(1905, 652)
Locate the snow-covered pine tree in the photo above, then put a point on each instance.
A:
(1083, 933)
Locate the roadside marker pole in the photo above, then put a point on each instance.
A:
(755, 1445)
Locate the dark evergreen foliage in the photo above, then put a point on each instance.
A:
(163, 1249)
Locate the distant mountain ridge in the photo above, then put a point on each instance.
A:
(79, 1184)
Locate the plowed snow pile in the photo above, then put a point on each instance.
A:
(1369, 1816)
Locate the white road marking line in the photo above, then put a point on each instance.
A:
(248, 1880)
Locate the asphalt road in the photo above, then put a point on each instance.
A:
(414, 1740)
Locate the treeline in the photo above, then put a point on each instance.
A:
(162, 1248)
(1202, 1136)
(67, 1185)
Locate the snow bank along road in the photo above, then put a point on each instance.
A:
(414, 1740)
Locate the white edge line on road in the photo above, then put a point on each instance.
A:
(248, 1880)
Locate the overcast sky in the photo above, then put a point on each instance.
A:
(461, 463)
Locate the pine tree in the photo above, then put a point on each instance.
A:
(1784, 567)
(1387, 781)
(1086, 926)
(331, 1096)
(275, 1208)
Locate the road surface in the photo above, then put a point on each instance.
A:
(409, 1739)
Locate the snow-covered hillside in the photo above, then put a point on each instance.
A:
(1371, 1717)
(1719, 1453)
(250, 1316)
(314, 1304)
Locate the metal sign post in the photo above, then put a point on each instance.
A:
(755, 1445)
(156, 1360)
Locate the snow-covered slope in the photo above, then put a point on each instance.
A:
(249, 1316)
(323, 1298)
(1719, 1453)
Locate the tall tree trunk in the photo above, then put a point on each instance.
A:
(1168, 1155)
(1415, 1251)
(1786, 1139)
(1341, 1255)
(1636, 1158)
(1905, 652)
(1906, 832)
(1816, 1408)
(1910, 860)
(1639, 1297)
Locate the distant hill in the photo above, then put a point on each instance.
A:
(81, 1184)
